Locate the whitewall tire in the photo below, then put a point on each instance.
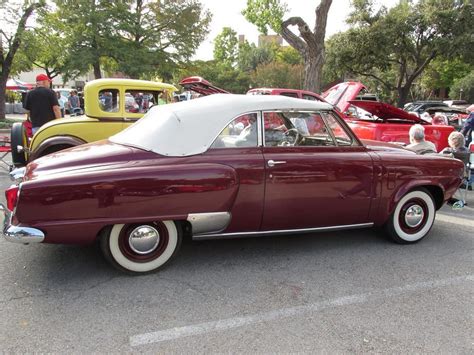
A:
(412, 218)
(141, 247)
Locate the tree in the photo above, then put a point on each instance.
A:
(10, 43)
(250, 56)
(279, 75)
(310, 44)
(463, 88)
(226, 47)
(156, 36)
(394, 47)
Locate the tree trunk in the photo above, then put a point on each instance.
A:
(3, 89)
(403, 92)
(97, 73)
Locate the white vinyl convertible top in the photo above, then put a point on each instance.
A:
(190, 127)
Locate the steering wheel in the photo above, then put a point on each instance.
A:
(291, 136)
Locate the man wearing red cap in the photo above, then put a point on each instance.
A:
(41, 103)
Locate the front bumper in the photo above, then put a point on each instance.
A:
(17, 234)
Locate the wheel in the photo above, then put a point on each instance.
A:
(19, 144)
(412, 218)
(141, 247)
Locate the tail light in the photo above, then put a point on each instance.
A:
(11, 195)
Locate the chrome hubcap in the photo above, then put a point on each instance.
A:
(144, 239)
(414, 216)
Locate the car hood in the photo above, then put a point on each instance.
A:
(385, 111)
(86, 158)
(201, 86)
(339, 95)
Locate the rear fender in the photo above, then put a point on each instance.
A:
(55, 141)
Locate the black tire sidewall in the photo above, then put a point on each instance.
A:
(18, 137)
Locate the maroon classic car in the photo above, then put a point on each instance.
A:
(224, 166)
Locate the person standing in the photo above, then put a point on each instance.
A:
(62, 102)
(41, 103)
(468, 129)
(74, 103)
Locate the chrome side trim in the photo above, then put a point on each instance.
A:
(213, 222)
(282, 231)
(18, 234)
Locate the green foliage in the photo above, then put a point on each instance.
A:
(138, 38)
(265, 14)
(279, 75)
(442, 73)
(288, 55)
(463, 88)
(250, 56)
(395, 46)
(226, 47)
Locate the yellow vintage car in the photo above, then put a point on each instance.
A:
(111, 105)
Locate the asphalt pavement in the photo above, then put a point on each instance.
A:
(339, 292)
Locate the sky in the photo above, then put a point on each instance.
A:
(227, 13)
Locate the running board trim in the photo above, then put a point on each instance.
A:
(281, 231)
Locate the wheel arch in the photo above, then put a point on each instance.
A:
(45, 145)
(436, 191)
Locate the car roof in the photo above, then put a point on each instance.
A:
(189, 127)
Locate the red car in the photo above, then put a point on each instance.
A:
(195, 168)
(204, 87)
(386, 123)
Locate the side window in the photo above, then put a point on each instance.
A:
(309, 97)
(296, 129)
(109, 100)
(289, 94)
(140, 101)
(241, 132)
(342, 137)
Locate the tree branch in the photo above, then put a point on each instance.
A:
(15, 44)
(321, 18)
(387, 85)
(295, 41)
(420, 69)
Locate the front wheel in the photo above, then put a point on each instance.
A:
(412, 218)
(141, 247)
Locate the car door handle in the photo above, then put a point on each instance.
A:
(272, 163)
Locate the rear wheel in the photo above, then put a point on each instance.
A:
(19, 144)
(141, 247)
(412, 218)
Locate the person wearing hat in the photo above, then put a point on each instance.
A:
(41, 103)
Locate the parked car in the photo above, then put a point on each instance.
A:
(295, 167)
(421, 106)
(461, 104)
(204, 88)
(385, 123)
(108, 110)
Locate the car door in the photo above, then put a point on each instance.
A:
(317, 174)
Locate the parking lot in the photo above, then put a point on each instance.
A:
(349, 291)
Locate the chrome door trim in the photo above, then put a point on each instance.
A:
(282, 231)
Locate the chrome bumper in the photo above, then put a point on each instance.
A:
(18, 234)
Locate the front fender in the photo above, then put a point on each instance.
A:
(54, 141)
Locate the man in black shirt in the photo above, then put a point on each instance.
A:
(41, 103)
